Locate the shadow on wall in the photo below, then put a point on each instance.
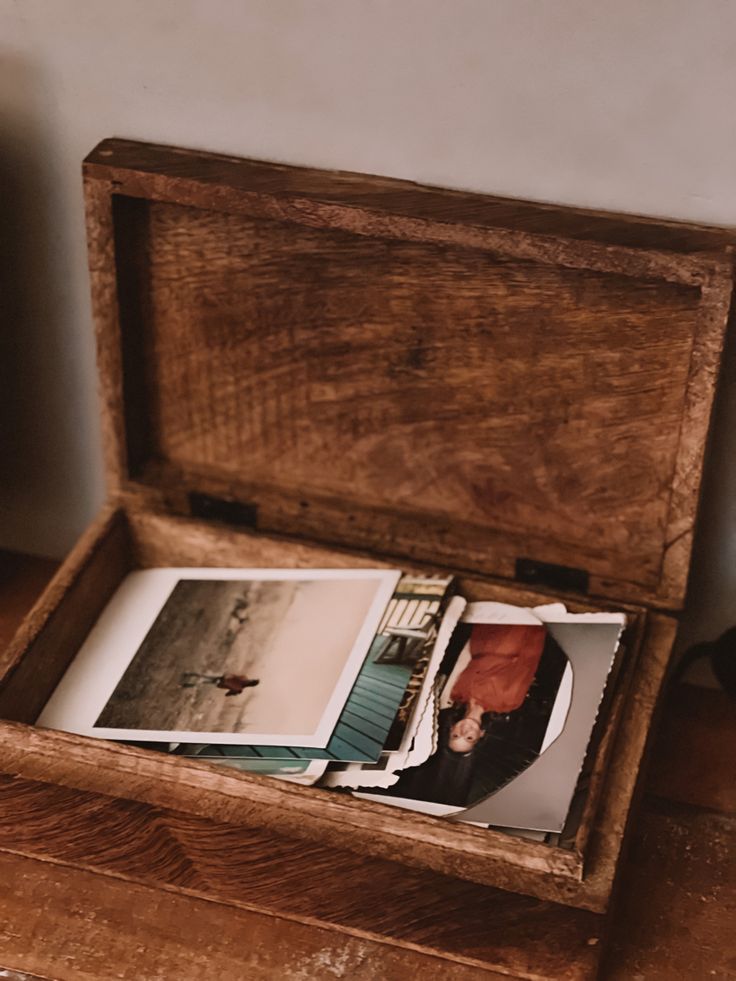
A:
(41, 349)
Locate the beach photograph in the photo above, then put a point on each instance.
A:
(242, 657)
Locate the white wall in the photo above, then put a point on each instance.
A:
(620, 104)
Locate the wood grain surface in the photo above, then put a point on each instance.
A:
(32, 664)
(317, 361)
(297, 879)
(101, 928)
(580, 876)
(673, 920)
(134, 933)
(124, 160)
(438, 387)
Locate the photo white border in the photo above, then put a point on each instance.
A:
(123, 625)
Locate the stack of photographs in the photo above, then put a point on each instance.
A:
(382, 684)
(382, 700)
(516, 700)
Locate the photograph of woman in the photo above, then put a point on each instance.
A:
(495, 709)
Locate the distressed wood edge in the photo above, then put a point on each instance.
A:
(251, 800)
(108, 336)
(225, 172)
(524, 956)
(606, 227)
(683, 269)
(145, 521)
(705, 363)
(236, 866)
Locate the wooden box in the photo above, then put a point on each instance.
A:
(303, 368)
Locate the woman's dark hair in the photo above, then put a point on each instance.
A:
(508, 745)
(447, 776)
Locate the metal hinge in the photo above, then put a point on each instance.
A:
(218, 509)
(562, 577)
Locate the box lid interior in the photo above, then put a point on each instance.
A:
(426, 373)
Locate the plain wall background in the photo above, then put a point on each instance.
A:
(619, 105)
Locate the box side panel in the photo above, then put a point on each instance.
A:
(33, 664)
(416, 913)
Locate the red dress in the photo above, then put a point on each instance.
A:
(504, 660)
(234, 684)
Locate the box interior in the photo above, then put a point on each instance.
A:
(134, 539)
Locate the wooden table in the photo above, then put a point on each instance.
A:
(675, 915)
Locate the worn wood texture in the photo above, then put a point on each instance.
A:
(105, 929)
(675, 905)
(603, 739)
(212, 175)
(623, 783)
(249, 800)
(480, 855)
(372, 375)
(306, 881)
(108, 336)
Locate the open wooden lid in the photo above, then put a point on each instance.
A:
(490, 385)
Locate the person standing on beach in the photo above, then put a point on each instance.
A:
(233, 684)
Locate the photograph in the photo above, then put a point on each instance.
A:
(494, 713)
(417, 731)
(539, 796)
(252, 656)
(410, 626)
(514, 717)
(386, 686)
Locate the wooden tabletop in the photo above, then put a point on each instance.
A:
(674, 917)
